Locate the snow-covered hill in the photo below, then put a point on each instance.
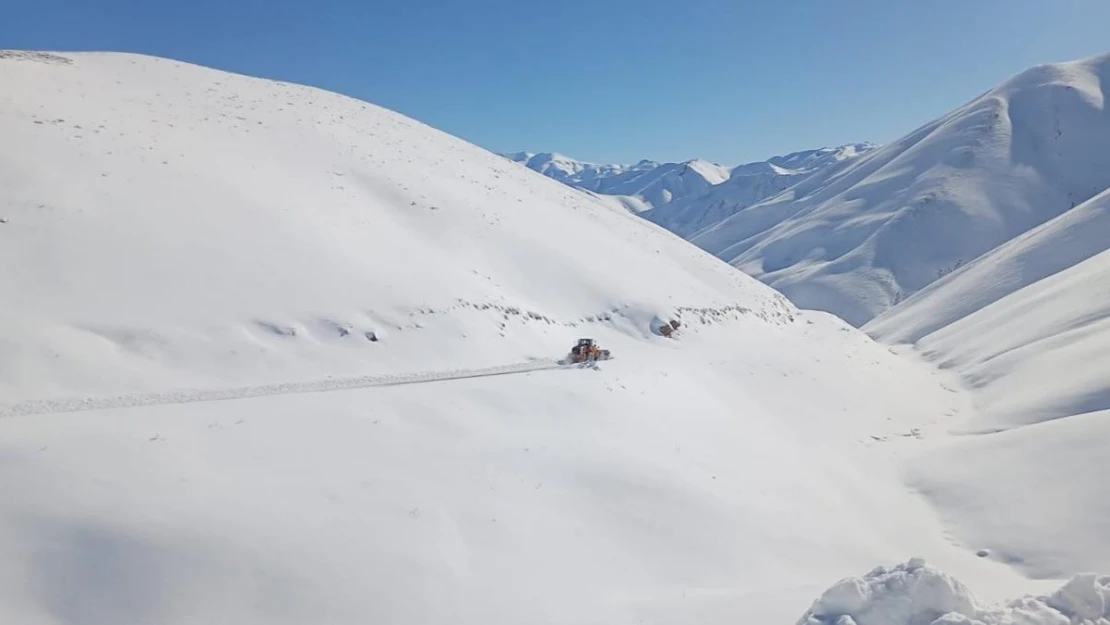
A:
(858, 238)
(273, 355)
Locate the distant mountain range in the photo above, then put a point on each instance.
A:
(649, 185)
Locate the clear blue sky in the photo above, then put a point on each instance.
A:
(607, 80)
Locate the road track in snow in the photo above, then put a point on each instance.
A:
(186, 396)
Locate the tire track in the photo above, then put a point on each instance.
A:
(186, 396)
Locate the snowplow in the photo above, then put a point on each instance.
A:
(587, 351)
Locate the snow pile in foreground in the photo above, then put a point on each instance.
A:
(915, 593)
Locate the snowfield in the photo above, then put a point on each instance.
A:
(273, 355)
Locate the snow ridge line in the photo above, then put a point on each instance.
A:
(184, 396)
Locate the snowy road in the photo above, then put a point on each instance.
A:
(183, 396)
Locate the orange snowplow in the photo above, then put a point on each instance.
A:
(587, 351)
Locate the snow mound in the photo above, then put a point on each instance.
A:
(915, 593)
(859, 238)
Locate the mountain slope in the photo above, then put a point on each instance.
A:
(272, 355)
(857, 239)
(1027, 326)
(1023, 323)
(286, 204)
(1077, 235)
(1036, 361)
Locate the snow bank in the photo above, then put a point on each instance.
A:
(915, 593)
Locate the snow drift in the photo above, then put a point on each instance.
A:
(857, 239)
(915, 593)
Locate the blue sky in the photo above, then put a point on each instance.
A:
(607, 80)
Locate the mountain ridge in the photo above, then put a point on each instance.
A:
(652, 186)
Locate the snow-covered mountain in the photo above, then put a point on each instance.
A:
(637, 187)
(274, 355)
(685, 196)
(748, 184)
(858, 238)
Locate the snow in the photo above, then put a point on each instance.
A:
(915, 593)
(1034, 496)
(857, 238)
(273, 355)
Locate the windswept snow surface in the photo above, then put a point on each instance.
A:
(915, 593)
(211, 280)
(858, 238)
